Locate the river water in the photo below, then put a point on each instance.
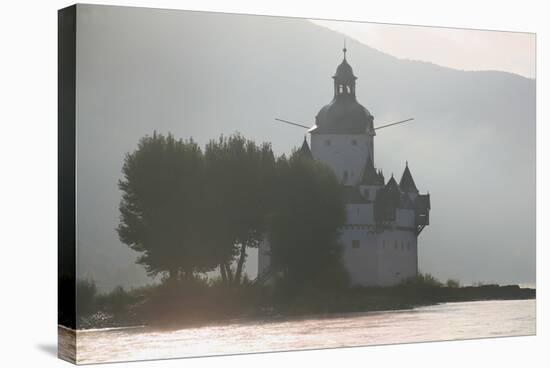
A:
(449, 321)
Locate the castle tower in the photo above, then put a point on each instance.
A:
(371, 181)
(383, 219)
(343, 133)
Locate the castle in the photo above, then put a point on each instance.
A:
(384, 219)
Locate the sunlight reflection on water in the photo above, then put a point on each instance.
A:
(448, 321)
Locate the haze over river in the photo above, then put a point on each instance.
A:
(449, 321)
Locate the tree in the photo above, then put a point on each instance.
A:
(86, 292)
(303, 233)
(160, 208)
(453, 283)
(238, 179)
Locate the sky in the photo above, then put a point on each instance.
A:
(461, 49)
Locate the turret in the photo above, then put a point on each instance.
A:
(344, 80)
(371, 181)
(304, 150)
(406, 184)
(381, 176)
(388, 200)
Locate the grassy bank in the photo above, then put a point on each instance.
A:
(200, 301)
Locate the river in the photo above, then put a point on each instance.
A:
(448, 321)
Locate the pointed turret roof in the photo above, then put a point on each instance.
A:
(370, 177)
(381, 176)
(391, 185)
(304, 150)
(407, 182)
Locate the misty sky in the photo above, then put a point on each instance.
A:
(199, 75)
(455, 48)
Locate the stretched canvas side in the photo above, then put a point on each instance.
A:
(66, 184)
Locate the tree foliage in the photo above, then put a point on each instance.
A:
(304, 225)
(188, 212)
(238, 181)
(86, 292)
(161, 206)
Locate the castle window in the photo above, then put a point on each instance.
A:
(402, 245)
(345, 176)
(395, 245)
(327, 142)
(354, 142)
(355, 243)
(366, 194)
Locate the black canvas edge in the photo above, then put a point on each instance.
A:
(66, 221)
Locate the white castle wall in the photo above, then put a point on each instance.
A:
(381, 258)
(397, 257)
(360, 261)
(359, 214)
(405, 218)
(343, 153)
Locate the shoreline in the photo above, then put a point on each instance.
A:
(275, 318)
(367, 300)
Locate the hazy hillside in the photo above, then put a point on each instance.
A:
(198, 75)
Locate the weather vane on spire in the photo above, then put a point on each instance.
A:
(345, 49)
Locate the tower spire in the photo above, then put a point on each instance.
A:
(345, 49)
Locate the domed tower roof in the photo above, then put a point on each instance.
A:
(343, 115)
(344, 71)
